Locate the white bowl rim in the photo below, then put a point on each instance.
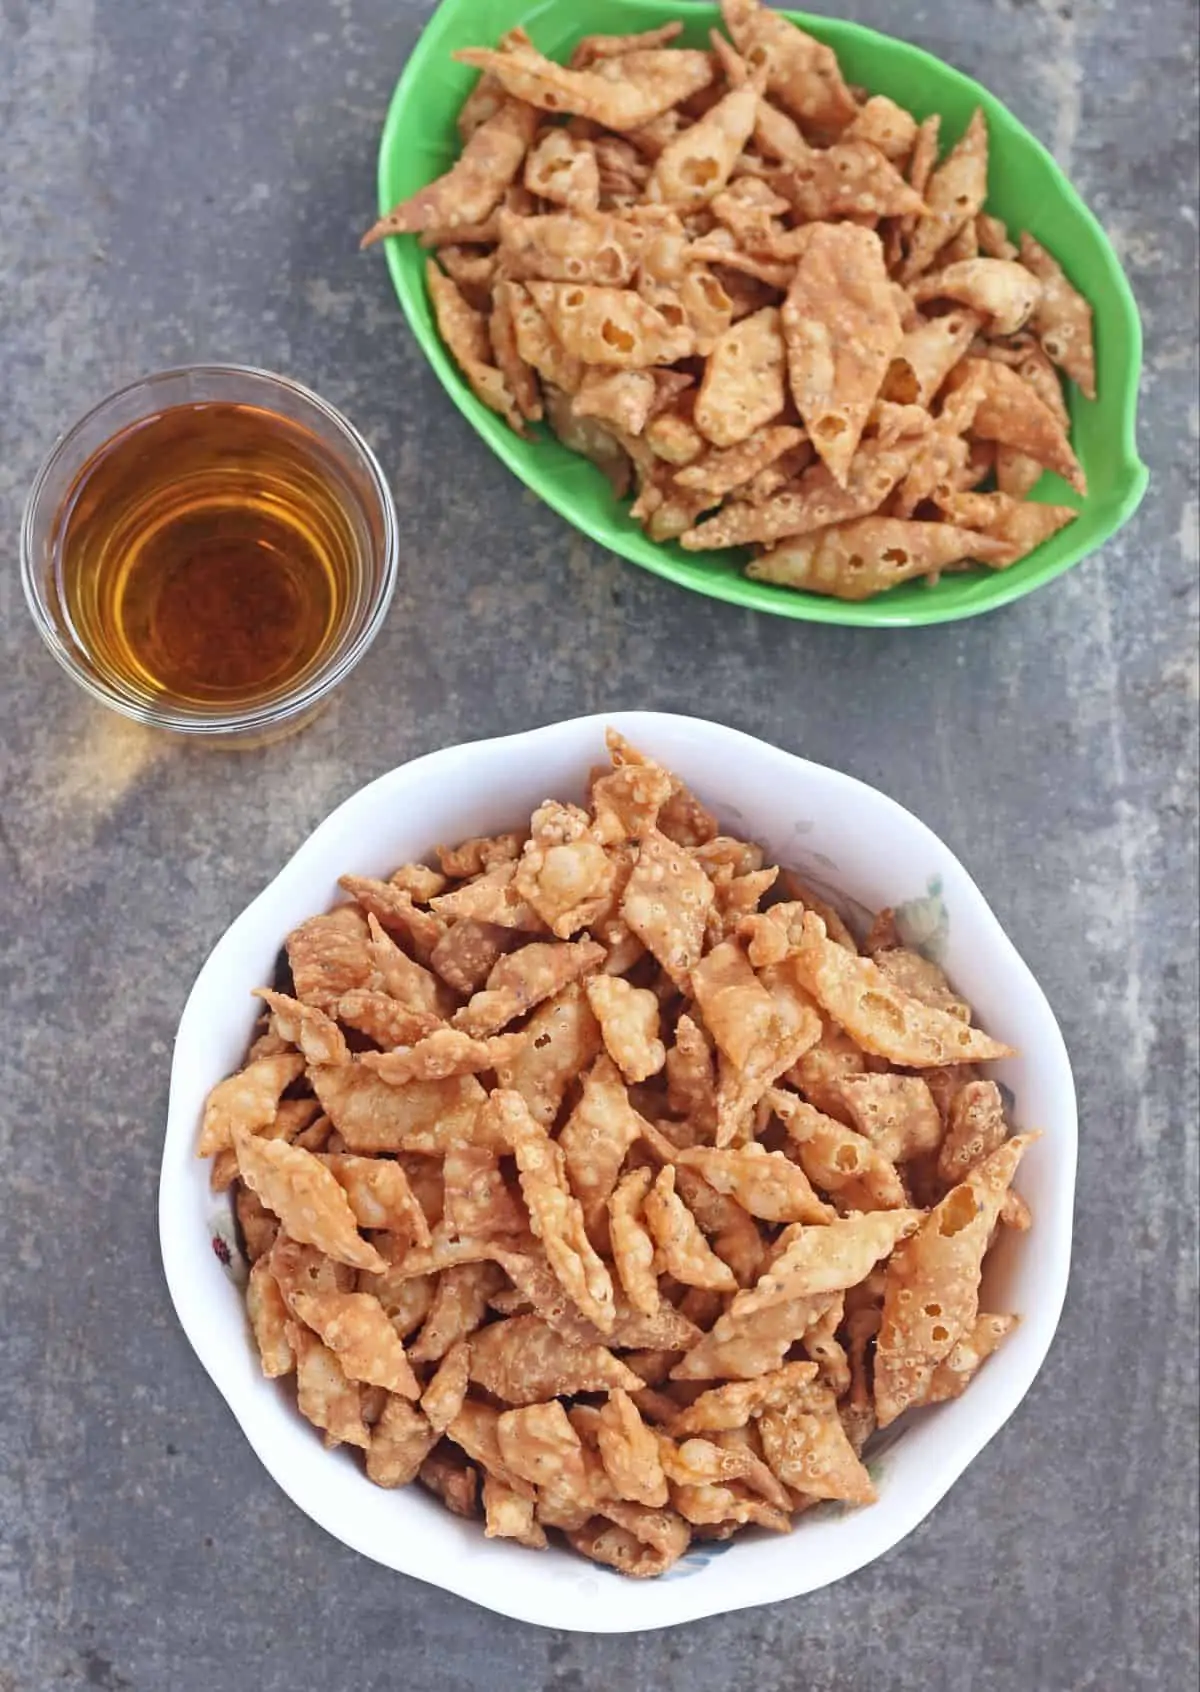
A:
(635, 1605)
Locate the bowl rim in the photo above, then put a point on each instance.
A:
(1004, 587)
(215, 1346)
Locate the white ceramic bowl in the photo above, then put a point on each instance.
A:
(839, 833)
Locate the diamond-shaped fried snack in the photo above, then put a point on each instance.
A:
(379, 1194)
(812, 1261)
(328, 956)
(308, 1201)
(682, 1248)
(248, 1100)
(733, 1405)
(931, 1292)
(302, 1268)
(401, 1440)
(475, 1429)
(1062, 318)
(395, 910)
(702, 1462)
(324, 1394)
(317, 1035)
(562, 1038)
(424, 1116)
(490, 897)
(738, 1011)
(975, 1127)
(629, 1024)
(767, 1184)
(730, 1506)
(443, 1397)
(630, 1452)
(384, 1019)
(596, 1137)
(564, 171)
(474, 185)
(632, 1245)
(524, 978)
(444, 1053)
(556, 1215)
(403, 979)
(695, 166)
(622, 93)
(955, 1373)
(745, 378)
(953, 195)
(666, 902)
(510, 1515)
(355, 1328)
(522, 1361)
(878, 1015)
(466, 954)
(648, 1546)
(838, 1159)
(268, 1319)
(460, 1304)
(539, 1444)
(809, 1452)
(478, 1201)
(802, 73)
(897, 1114)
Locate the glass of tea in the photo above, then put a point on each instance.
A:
(210, 550)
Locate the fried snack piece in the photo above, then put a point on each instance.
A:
(510, 1515)
(629, 1024)
(479, 853)
(592, 48)
(695, 166)
(355, 1327)
(630, 1452)
(813, 502)
(490, 897)
(632, 1246)
(475, 184)
(665, 903)
(328, 956)
(842, 331)
(520, 379)
(612, 327)
(478, 1202)
(564, 873)
(444, 1053)
(268, 1319)
(733, 1405)
(589, 439)
(802, 74)
(562, 1038)
(810, 1452)
(555, 1214)
(743, 385)
(460, 1304)
(952, 1376)
(921, 978)
(719, 473)
(465, 332)
(926, 356)
(318, 1037)
(464, 958)
(523, 1361)
(595, 1139)
(738, 1011)
(523, 979)
(691, 1082)
(563, 171)
(444, 1396)
(622, 399)
(998, 289)
(954, 194)
(308, 1201)
(724, 1508)
(324, 1395)
(850, 179)
(896, 1113)
(881, 1018)
(401, 1441)
(857, 560)
(886, 126)
(811, 1261)
(447, 1474)
(606, 1541)
(931, 1291)
(382, 1019)
(396, 974)
(258, 1227)
(1022, 524)
(248, 1101)
(837, 1158)
(379, 1195)
(685, 1252)
(601, 248)
(1062, 318)
(618, 93)
(538, 1443)
(424, 1116)
(705, 1462)
(766, 1184)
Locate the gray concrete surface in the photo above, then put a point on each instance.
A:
(190, 182)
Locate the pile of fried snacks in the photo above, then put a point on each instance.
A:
(597, 1180)
(759, 298)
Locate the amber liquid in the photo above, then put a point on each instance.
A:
(207, 556)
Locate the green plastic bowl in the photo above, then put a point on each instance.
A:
(1029, 191)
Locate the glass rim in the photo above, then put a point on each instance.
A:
(194, 721)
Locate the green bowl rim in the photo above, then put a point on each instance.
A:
(733, 589)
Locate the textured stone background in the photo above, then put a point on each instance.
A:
(186, 182)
